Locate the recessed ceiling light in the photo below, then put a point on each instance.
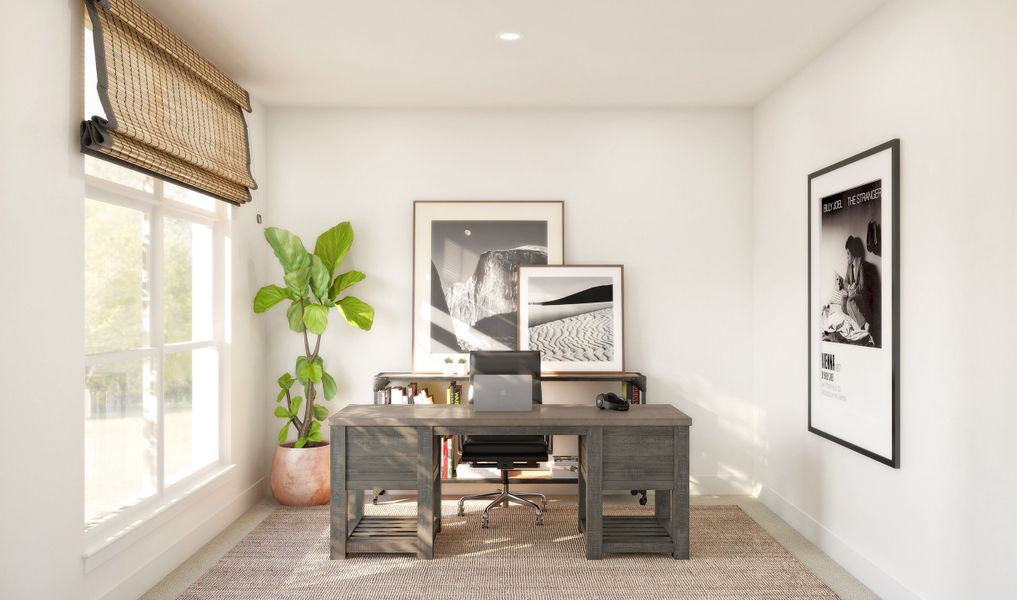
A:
(509, 36)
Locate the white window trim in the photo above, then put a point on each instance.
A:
(118, 531)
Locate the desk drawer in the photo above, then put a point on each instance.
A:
(638, 458)
(383, 457)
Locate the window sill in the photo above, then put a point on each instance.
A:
(104, 544)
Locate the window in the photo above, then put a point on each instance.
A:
(155, 273)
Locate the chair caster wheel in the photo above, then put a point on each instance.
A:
(642, 501)
(540, 519)
(461, 511)
(484, 523)
(634, 492)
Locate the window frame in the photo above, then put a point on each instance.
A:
(156, 207)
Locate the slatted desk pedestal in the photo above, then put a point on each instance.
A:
(395, 458)
(637, 458)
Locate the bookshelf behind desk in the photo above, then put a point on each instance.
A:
(634, 390)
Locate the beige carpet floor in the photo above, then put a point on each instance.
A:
(286, 556)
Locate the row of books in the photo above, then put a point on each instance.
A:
(449, 457)
(632, 393)
(414, 393)
(407, 394)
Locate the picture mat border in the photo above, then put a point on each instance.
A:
(620, 329)
(894, 146)
(422, 360)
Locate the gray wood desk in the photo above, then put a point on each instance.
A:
(397, 447)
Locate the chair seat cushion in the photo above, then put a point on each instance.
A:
(522, 446)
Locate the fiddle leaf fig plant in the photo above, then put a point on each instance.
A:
(313, 289)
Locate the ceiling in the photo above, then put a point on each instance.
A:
(573, 53)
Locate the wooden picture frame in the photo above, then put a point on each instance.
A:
(573, 314)
(465, 255)
(854, 303)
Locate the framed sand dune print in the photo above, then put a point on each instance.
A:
(573, 315)
(466, 256)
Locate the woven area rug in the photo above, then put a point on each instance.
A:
(286, 556)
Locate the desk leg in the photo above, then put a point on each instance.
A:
(662, 508)
(680, 496)
(582, 486)
(594, 449)
(356, 508)
(425, 492)
(338, 513)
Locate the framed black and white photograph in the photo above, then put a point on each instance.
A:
(465, 276)
(854, 390)
(573, 316)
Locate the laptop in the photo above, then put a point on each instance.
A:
(512, 362)
(502, 393)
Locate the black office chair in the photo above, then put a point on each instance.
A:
(506, 452)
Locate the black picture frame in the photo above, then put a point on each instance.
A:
(492, 216)
(894, 343)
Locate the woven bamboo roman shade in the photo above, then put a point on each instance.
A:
(169, 112)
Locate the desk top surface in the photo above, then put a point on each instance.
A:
(542, 415)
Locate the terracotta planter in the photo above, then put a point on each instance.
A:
(300, 476)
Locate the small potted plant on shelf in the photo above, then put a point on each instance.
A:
(300, 468)
(461, 367)
(449, 368)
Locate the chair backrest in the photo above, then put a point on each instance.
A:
(490, 362)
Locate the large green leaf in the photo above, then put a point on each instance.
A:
(303, 369)
(285, 431)
(267, 297)
(344, 281)
(314, 437)
(315, 373)
(320, 412)
(315, 426)
(282, 394)
(300, 443)
(328, 384)
(285, 381)
(295, 405)
(295, 315)
(319, 278)
(282, 413)
(288, 249)
(357, 312)
(296, 281)
(333, 245)
(309, 371)
(316, 318)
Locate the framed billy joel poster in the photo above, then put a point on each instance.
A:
(854, 388)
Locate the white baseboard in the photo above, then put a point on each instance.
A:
(717, 485)
(876, 579)
(163, 563)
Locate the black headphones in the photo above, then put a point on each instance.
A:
(611, 401)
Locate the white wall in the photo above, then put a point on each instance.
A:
(942, 76)
(42, 338)
(666, 193)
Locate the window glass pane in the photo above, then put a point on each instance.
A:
(120, 437)
(104, 169)
(190, 197)
(191, 411)
(116, 298)
(187, 255)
